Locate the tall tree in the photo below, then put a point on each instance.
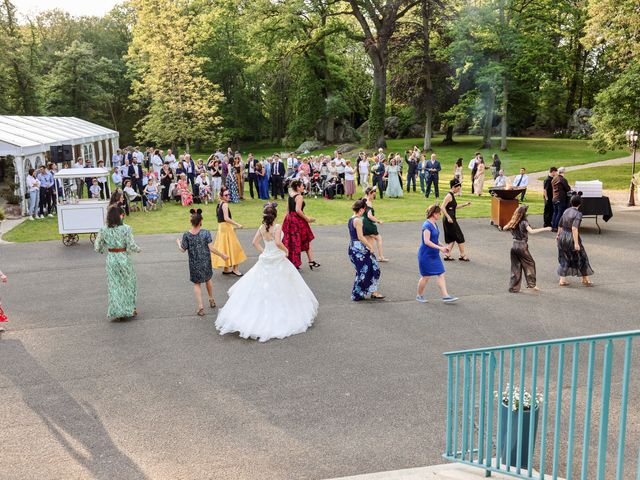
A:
(378, 23)
(79, 84)
(19, 68)
(180, 104)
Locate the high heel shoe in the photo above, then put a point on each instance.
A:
(313, 265)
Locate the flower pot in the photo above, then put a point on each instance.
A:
(509, 453)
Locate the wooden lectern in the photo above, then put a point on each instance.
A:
(502, 210)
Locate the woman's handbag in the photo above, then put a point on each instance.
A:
(27, 195)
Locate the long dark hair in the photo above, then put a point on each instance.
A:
(115, 198)
(519, 215)
(269, 215)
(114, 218)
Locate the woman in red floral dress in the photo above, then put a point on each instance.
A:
(297, 234)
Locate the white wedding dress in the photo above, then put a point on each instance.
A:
(270, 301)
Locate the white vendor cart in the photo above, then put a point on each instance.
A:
(75, 215)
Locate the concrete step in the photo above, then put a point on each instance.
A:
(448, 471)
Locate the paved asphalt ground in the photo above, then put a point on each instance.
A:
(166, 397)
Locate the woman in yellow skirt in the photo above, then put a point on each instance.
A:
(226, 239)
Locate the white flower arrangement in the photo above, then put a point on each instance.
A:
(515, 403)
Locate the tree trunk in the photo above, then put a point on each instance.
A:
(378, 103)
(576, 78)
(426, 71)
(503, 123)
(448, 137)
(488, 119)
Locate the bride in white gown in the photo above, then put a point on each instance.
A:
(271, 300)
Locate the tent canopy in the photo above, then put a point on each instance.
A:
(81, 172)
(28, 135)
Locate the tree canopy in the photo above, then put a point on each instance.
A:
(204, 72)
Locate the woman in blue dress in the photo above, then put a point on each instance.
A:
(429, 260)
(263, 182)
(362, 258)
(232, 185)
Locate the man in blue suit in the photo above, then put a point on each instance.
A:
(433, 172)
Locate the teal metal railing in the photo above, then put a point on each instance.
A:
(574, 387)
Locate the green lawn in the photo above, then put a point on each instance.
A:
(174, 218)
(614, 177)
(535, 154)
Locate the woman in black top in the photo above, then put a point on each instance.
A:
(521, 259)
(297, 234)
(226, 239)
(166, 179)
(452, 232)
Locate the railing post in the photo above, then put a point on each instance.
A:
(556, 428)
(449, 401)
(623, 408)
(533, 412)
(489, 446)
(572, 408)
(587, 412)
(465, 404)
(483, 373)
(455, 412)
(604, 420)
(545, 409)
(523, 365)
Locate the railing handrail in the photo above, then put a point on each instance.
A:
(543, 343)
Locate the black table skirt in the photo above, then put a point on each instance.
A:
(597, 206)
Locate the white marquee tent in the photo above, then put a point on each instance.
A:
(29, 141)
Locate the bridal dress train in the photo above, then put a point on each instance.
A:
(270, 301)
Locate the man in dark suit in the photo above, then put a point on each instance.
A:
(433, 172)
(277, 174)
(136, 174)
(411, 158)
(190, 167)
(252, 176)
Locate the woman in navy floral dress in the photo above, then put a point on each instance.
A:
(232, 184)
(362, 258)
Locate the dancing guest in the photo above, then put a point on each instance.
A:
(422, 172)
(226, 239)
(473, 166)
(394, 188)
(377, 176)
(232, 184)
(349, 180)
(369, 223)
(547, 194)
(297, 230)
(521, 259)
(199, 244)
(457, 170)
(478, 179)
(252, 177)
(411, 157)
(116, 240)
(572, 256)
(429, 261)
(452, 231)
(256, 307)
(362, 258)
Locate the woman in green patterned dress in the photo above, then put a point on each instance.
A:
(116, 240)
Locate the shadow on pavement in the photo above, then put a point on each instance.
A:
(65, 417)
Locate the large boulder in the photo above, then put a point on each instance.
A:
(363, 130)
(580, 123)
(345, 148)
(309, 146)
(415, 131)
(345, 133)
(392, 127)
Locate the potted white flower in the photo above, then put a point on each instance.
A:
(511, 406)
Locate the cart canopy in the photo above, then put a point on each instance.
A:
(82, 172)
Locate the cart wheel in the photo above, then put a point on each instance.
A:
(75, 238)
(92, 237)
(67, 240)
(492, 222)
